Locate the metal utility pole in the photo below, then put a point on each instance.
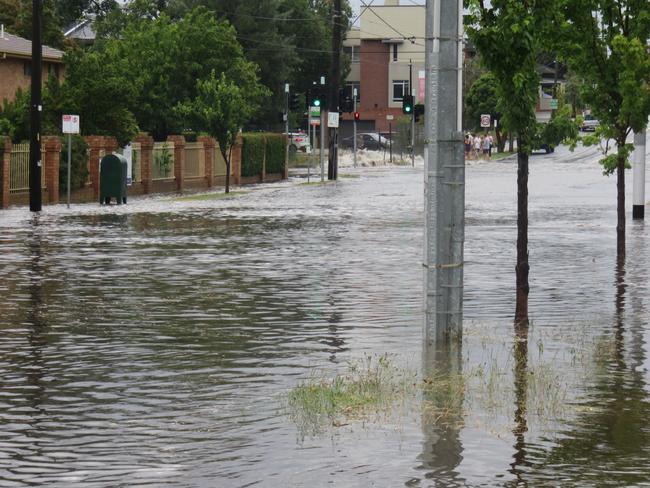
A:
(412, 112)
(36, 107)
(354, 126)
(638, 197)
(335, 83)
(444, 185)
(286, 108)
(321, 137)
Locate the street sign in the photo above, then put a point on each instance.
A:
(128, 155)
(314, 116)
(333, 120)
(486, 120)
(390, 117)
(71, 124)
(554, 103)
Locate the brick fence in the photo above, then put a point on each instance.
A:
(213, 166)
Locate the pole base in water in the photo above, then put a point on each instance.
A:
(638, 211)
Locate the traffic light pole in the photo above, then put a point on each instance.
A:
(412, 113)
(444, 184)
(335, 82)
(354, 126)
(36, 107)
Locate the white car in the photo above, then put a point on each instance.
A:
(589, 124)
(299, 141)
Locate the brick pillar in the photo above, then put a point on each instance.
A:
(209, 145)
(235, 160)
(95, 145)
(146, 160)
(51, 146)
(5, 161)
(179, 160)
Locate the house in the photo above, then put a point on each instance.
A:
(16, 65)
(387, 53)
(387, 56)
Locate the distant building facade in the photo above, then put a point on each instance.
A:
(16, 64)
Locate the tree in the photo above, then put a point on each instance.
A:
(604, 43)
(221, 108)
(482, 99)
(508, 34)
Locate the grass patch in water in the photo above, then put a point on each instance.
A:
(318, 183)
(210, 196)
(366, 387)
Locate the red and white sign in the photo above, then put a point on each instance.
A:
(486, 120)
(71, 124)
(421, 86)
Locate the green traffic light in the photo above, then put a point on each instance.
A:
(408, 109)
(316, 103)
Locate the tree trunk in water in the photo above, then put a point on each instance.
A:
(620, 224)
(501, 142)
(522, 268)
(511, 146)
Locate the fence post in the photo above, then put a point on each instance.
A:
(285, 171)
(179, 160)
(95, 145)
(5, 169)
(51, 145)
(209, 145)
(146, 160)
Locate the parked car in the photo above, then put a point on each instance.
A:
(299, 141)
(589, 123)
(371, 141)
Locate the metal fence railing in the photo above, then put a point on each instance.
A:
(19, 169)
(162, 167)
(194, 160)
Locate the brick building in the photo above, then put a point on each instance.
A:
(16, 65)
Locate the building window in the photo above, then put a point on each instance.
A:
(394, 52)
(27, 68)
(352, 52)
(400, 88)
(349, 89)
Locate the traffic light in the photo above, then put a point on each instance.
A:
(346, 103)
(357, 116)
(294, 102)
(418, 111)
(407, 104)
(317, 97)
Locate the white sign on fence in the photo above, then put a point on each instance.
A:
(486, 120)
(333, 119)
(71, 124)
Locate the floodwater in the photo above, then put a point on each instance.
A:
(154, 344)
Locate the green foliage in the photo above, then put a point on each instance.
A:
(560, 129)
(507, 34)
(78, 166)
(16, 15)
(14, 117)
(608, 52)
(252, 155)
(276, 152)
(482, 99)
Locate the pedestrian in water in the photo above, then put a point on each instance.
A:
(468, 146)
(477, 146)
(485, 146)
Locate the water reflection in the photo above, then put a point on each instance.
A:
(520, 354)
(442, 420)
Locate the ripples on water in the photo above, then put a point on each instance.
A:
(151, 345)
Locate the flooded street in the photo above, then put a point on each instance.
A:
(154, 344)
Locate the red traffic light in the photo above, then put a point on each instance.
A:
(357, 116)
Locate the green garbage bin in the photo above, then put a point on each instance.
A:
(113, 171)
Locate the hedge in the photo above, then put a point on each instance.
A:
(79, 166)
(253, 153)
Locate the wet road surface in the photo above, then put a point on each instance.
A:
(153, 344)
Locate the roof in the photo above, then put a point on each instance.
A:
(82, 31)
(18, 46)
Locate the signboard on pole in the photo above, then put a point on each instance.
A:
(554, 104)
(390, 117)
(71, 124)
(486, 120)
(421, 86)
(333, 120)
(128, 155)
(314, 116)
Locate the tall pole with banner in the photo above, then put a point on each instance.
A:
(70, 126)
